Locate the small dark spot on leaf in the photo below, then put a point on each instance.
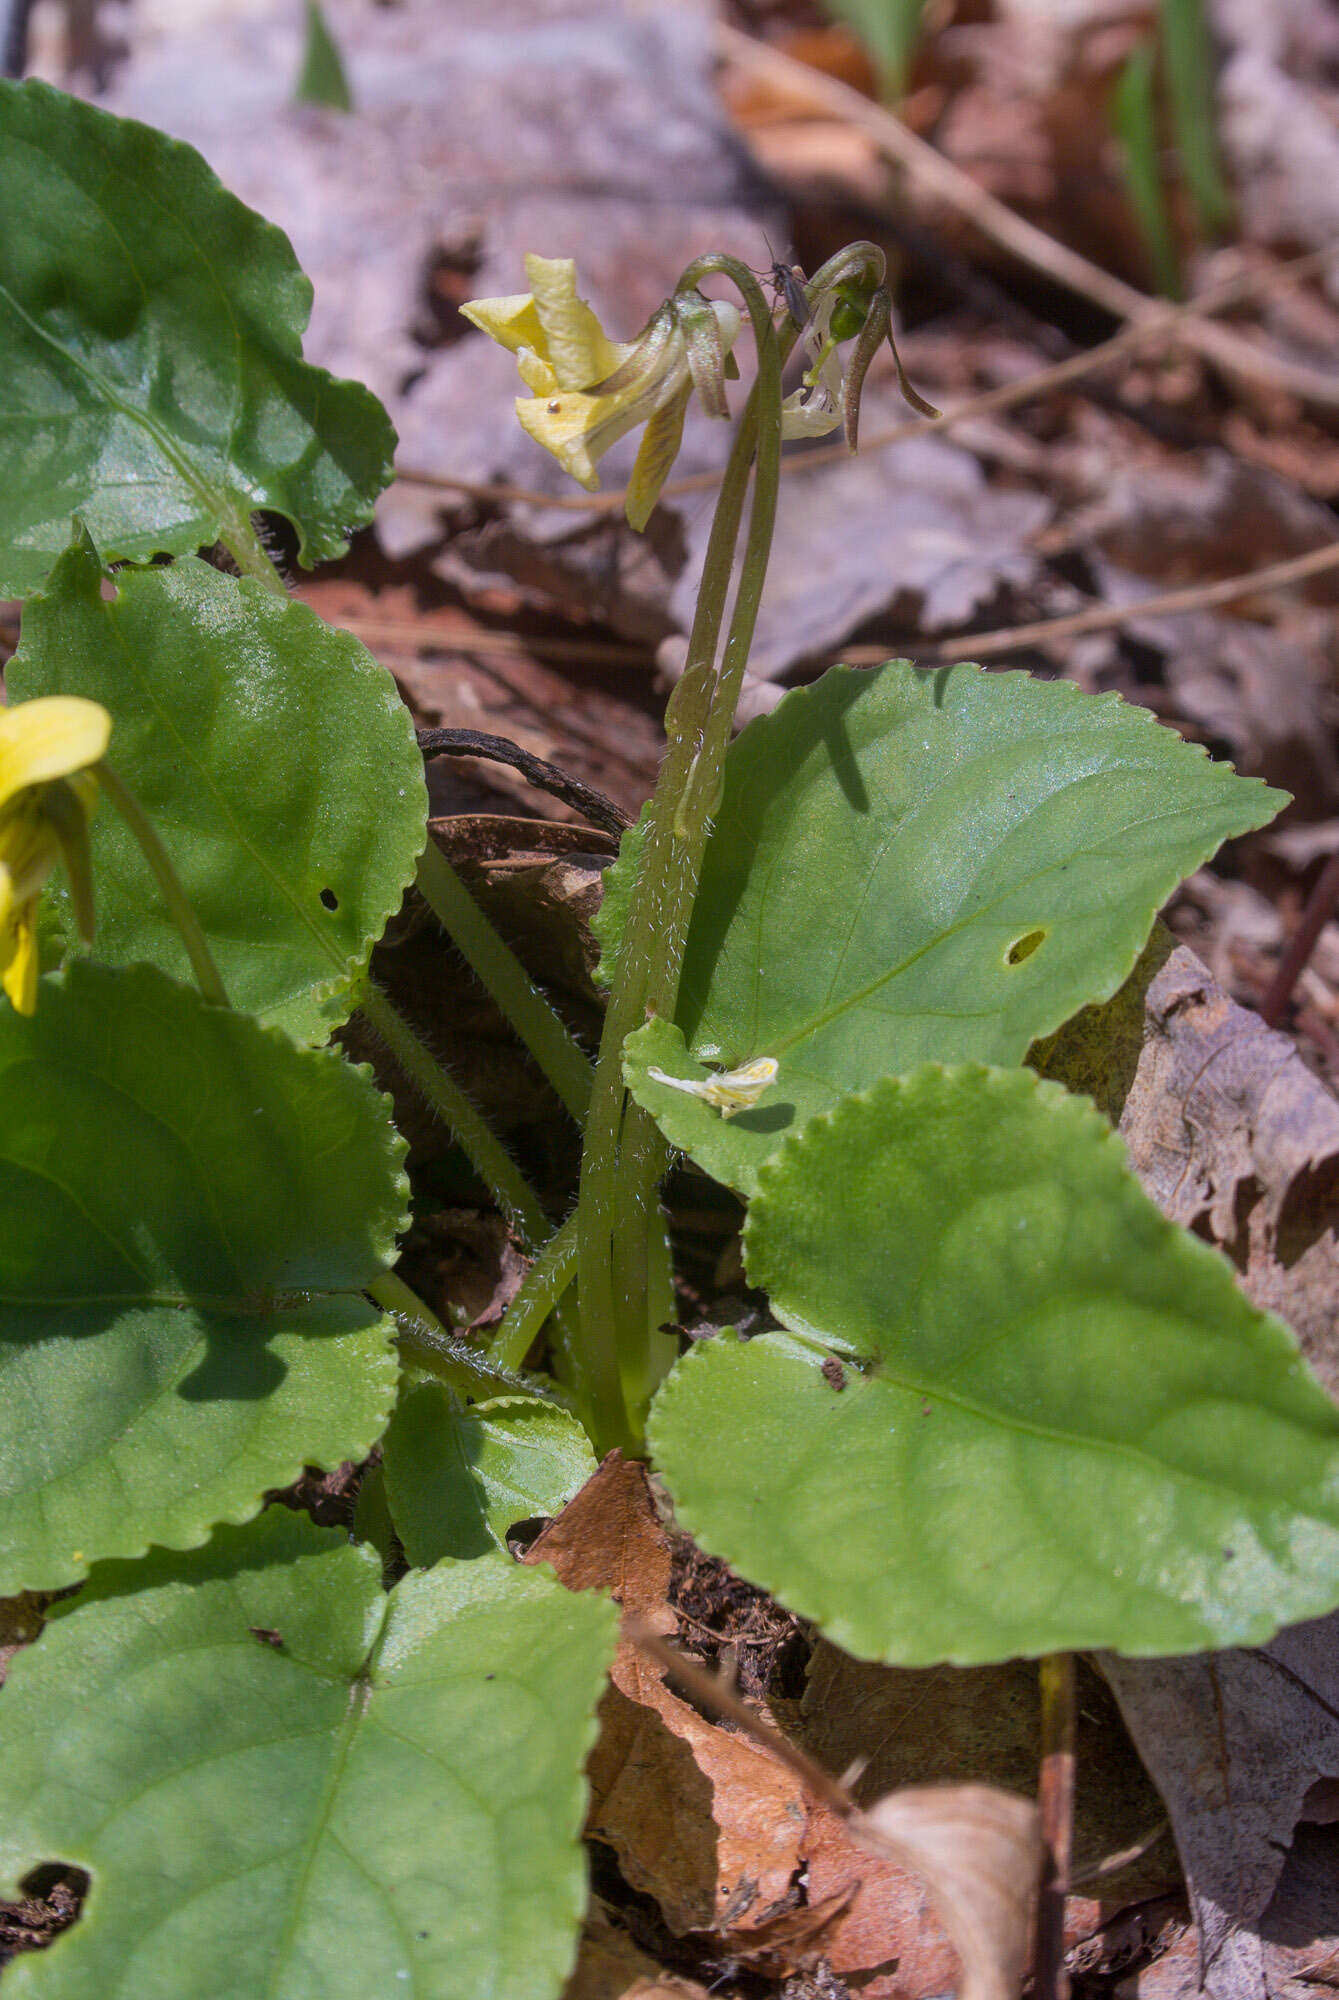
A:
(329, 900)
(926, 1411)
(1024, 947)
(833, 1373)
(490, 1677)
(1228, 1554)
(267, 1636)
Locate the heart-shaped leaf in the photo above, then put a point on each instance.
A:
(1018, 1411)
(151, 348)
(910, 867)
(189, 1207)
(272, 753)
(458, 1477)
(284, 1782)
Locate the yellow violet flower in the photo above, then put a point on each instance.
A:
(47, 794)
(587, 391)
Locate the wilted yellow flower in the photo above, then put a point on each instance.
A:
(588, 391)
(47, 793)
(730, 1090)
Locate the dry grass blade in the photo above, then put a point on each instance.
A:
(978, 1851)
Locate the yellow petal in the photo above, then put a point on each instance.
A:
(18, 960)
(577, 429)
(536, 373)
(573, 340)
(29, 850)
(52, 737)
(512, 322)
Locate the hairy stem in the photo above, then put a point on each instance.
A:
(506, 979)
(545, 1283)
(240, 539)
(625, 1155)
(487, 1155)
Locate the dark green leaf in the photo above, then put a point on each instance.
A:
(189, 1208)
(911, 866)
(274, 757)
(151, 347)
(283, 1782)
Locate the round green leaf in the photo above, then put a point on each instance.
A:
(284, 1782)
(913, 867)
(274, 757)
(189, 1208)
(459, 1476)
(151, 347)
(1018, 1411)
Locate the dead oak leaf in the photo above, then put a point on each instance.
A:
(700, 1817)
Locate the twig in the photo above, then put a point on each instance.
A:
(715, 1692)
(423, 634)
(1154, 325)
(1103, 617)
(595, 806)
(1055, 1799)
(1010, 230)
(1320, 907)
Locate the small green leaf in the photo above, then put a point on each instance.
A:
(1188, 61)
(458, 1477)
(272, 753)
(284, 1782)
(322, 79)
(151, 346)
(913, 867)
(189, 1208)
(1134, 118)
(1017, 1410)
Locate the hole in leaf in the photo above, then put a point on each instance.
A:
(329, 900)
(53, 1894)
(1024, 947)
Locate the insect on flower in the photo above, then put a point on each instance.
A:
(731, 1090)
(789, 282)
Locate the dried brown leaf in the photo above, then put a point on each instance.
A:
(1233, 1136)
(978, 1850)
(1238, 1742)
(700, 1817)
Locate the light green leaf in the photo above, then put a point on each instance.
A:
(1049, 1420)
(272, 753)
(284, 1782)
(458, 1477)
(151, 347)
(189, 1208)
(913, 867)
(322, 78)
